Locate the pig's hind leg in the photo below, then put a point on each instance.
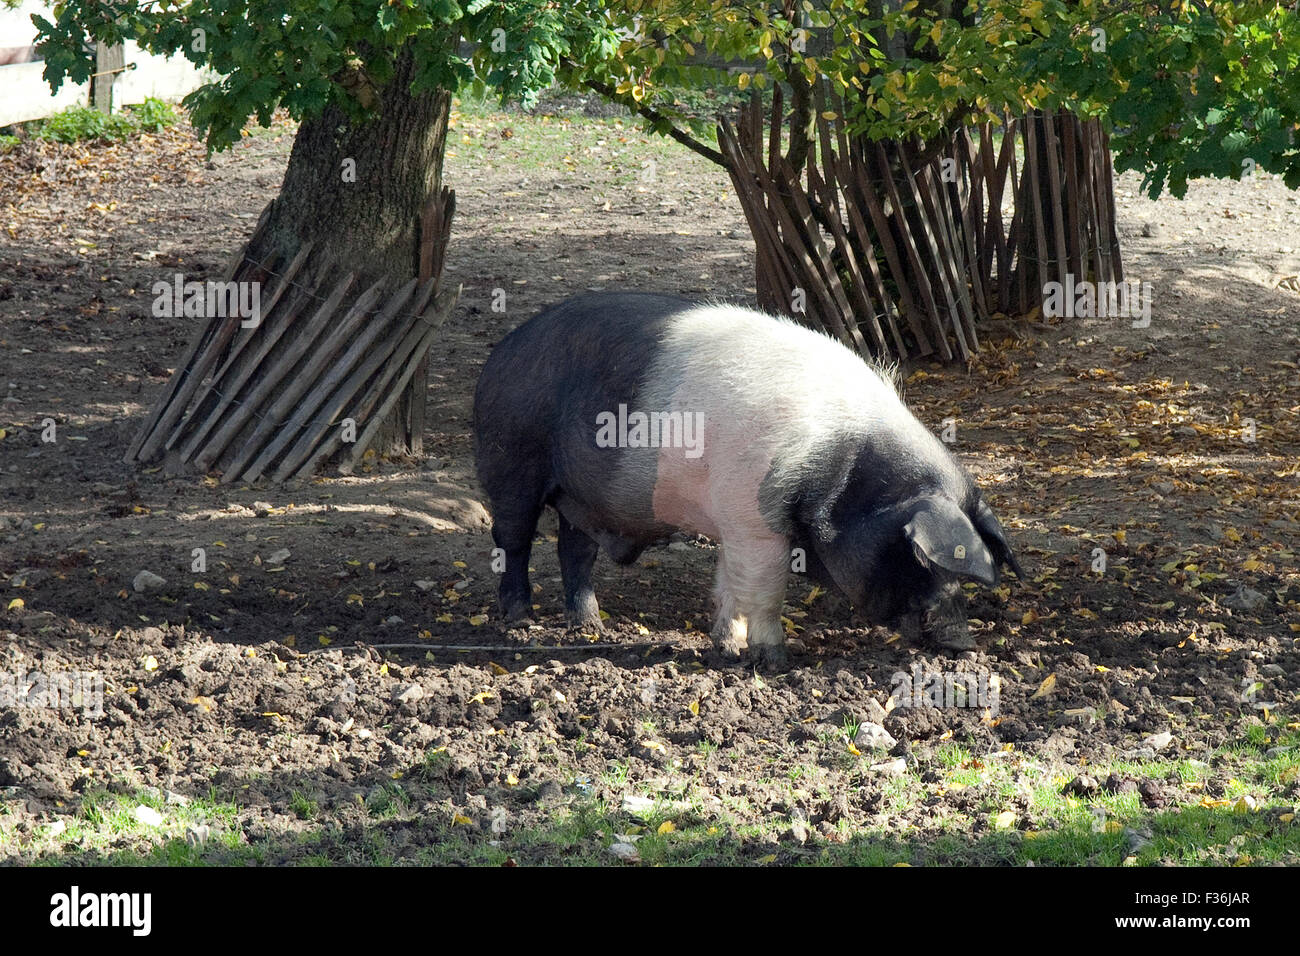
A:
(577, 556)
(514, 523)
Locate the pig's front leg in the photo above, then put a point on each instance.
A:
(749, 593)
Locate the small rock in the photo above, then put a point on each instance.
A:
(875, 712)
(1158, 741)
(147, 581)
(626, 852)
(799, 826)
(1135, 840)
(55, 829)
(637, 805)
(278, 557)
(893, 767)
(426, 585)
(148, 816)
(1151, 230)
(27, 577)
(1164, 487)
(198, 835)
(411, 692)
(1081, 785)
(872, 736)
(1245, 599)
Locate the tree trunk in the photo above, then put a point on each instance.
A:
(357, 191)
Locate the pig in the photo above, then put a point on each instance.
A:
(637, 415)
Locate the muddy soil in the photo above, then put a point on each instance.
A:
(1146, 476)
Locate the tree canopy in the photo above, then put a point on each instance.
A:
(1189, 89)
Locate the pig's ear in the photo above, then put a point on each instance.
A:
(942, 535)
(990, 529)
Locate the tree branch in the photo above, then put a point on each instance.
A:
(652, 114)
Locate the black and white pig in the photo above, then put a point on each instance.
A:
(636, 415)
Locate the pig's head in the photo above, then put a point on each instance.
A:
(903, 563)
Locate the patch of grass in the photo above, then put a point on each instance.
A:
(303, 806)
(8, 142)
(387, 800)
(153, 115)
(80, 123)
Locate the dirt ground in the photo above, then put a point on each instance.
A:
(1147, 478)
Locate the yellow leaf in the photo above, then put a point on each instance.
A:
(458, 564)
(1286, 818)
(1046, 687)
(200, 586)
(16, 604)
(478, 619)
(497, 668)
(512, 780)
(480, 697)
(151, 663)
(765, 860)
(324, 641)
(666, 827)
(854, 750)
(443, 618)
(742, 81)
(1029, 617)
(1114, 826)
(653, 745)
(695, 707)
(461, 820)
(356, 599)
(1005, 819)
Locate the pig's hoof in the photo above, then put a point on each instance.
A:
(587, 623)
(771, 656)
(730, 650)
(956, 642)
(517, 614)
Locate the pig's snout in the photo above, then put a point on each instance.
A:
(941, 622)
(946, 626)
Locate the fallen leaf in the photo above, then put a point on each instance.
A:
(1046, 687)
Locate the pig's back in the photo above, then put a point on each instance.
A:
(785, 409)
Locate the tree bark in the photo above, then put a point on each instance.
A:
(357, 191)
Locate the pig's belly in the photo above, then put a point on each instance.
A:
(717, 493)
